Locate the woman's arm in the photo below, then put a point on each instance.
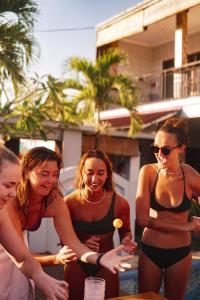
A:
(14, 245)
(143, 206)
(194, 179)
(62, 221)
(123, 213)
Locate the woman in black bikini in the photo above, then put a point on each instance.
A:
(162, 206)
(93, 208)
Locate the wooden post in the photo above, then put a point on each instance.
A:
(180, 52)
(181, 43)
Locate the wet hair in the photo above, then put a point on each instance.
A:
(6, 155)
(96, 153)
(33, 158)
(178, 127)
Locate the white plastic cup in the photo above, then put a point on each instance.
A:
(94, 288)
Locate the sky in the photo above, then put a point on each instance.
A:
(57, 47)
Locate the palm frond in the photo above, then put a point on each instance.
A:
(25, 10)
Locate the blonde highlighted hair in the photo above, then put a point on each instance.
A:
(33, 158)
(6, 155)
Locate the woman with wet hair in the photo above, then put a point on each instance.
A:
(39, 196)
(16, 283)
(93, 207)
(166, 188)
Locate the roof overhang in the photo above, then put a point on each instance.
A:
(145, 15)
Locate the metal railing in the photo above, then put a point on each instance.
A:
(171, 84)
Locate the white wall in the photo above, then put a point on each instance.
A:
(143, 60)
(72, 146)
(140, 59)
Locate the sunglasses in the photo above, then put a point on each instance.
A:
(165, 150)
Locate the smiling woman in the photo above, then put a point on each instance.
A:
(10, 175)
(167, 187)
(93, 207)
(21, 287)
(39, 196)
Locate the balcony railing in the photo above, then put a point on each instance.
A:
(171, 84)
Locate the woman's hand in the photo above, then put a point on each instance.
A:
(93, 243)
(52, 288)
(66, 255)
(114, 262)
(129, 245)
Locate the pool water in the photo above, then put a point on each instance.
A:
(128, 283)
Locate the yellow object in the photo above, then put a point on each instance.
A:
(117, 223)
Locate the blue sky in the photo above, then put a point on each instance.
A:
(56, 47)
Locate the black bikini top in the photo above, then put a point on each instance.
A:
(102, 226)
(184, 205)
(38, 222)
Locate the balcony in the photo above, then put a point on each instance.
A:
(171, 84)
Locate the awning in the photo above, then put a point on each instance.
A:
(148, 118)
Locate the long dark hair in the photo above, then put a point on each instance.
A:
(178, 127)
(97, 153)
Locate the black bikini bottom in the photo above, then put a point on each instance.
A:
(89, 269)
(164, 258)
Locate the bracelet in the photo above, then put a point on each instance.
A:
(98, 259)
(57, 259)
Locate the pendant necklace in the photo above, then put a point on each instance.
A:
(92, 202)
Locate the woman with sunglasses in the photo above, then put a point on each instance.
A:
(13, 244)
(163, 203)
(39, 196)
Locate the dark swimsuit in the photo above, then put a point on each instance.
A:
(38, 222)
(99, 227)
(165, 258)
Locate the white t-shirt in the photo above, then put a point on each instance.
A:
(14, 285)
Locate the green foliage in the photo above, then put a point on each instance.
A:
(97, 86)
(43, 100)
(17, 45)
(25, 107)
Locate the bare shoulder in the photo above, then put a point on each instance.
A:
(15, 214)
(73, 196)
(73, 199)
(13, 208)
(120, 198)
(192, 177)
(121, 202)
(189, 170)
(149, 169)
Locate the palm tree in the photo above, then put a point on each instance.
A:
(97, 86)
(55, 101)
(17, 49)
(17, 45)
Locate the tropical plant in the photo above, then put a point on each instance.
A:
(42, 99)
(97, 86)
(17, 44)
(57, 103)
(18, 49)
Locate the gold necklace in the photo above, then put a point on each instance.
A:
(92, 202)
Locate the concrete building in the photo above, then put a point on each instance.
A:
(162, 42)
